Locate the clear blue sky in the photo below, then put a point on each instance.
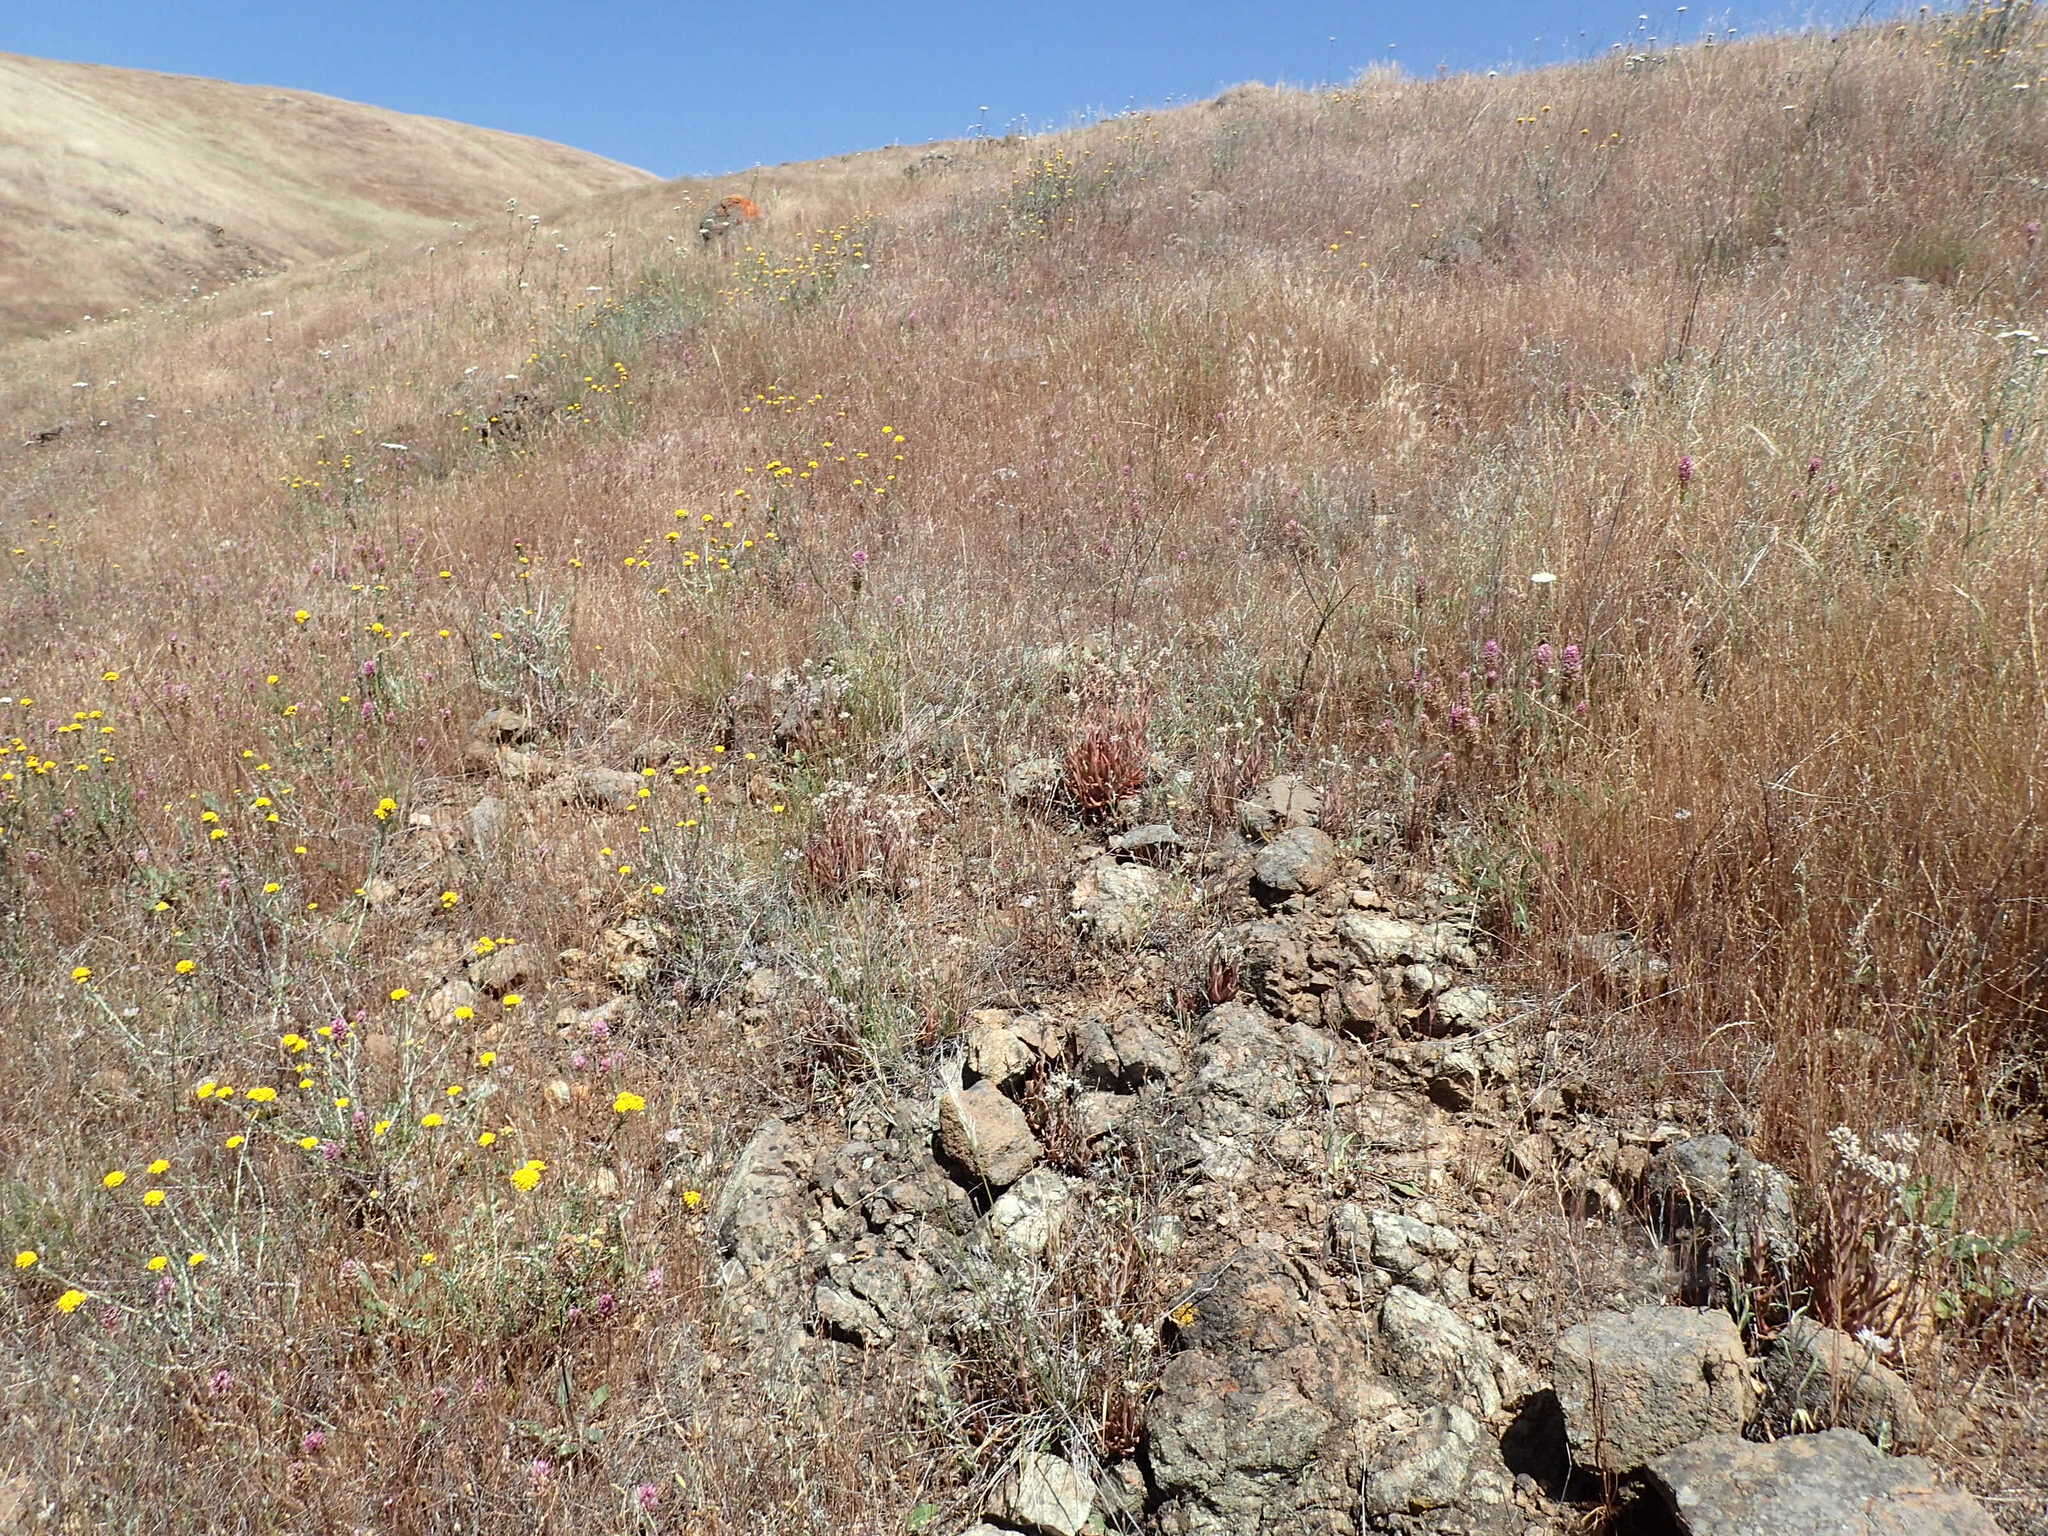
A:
(687, 88)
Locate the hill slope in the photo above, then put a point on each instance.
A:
(122, 187)
(525, 771)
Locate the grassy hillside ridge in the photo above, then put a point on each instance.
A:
(1622, 486)
(122, 187)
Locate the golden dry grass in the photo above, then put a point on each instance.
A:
(122, 188)
(1254, 419)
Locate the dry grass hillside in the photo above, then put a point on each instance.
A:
(122, 188)
(1623, 489)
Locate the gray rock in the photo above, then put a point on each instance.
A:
(1034, 781)
(486, 822)
(1271, 1419)
(1280, 803)
(1415, 1253)
(1380, 939)
(1114, 902)
(510, 727)
(1097, 1114)
(758, 1217)
(506, 967)
(1718, 1207)
(450, 995)
(1831, 1484)
(1816, 1377)
(1030, 1214)
(598, 789)
(1253, 1084)
(1462, 1009)
(1635, 1385)
(1419, 1458)
(986, 1136)
(1127, 1052)
(1300, 861)
(1152, 842)
(874, 1299)
(1045, 1494)
(1618, 955)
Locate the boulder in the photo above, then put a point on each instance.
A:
(1816, 1377)
(1830, 1484)
(1113, 902)
(1299, 862)
(986, 1137)
(1044, 1494)
(1634, 1385)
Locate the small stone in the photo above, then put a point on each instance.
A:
(1029, 1215)
(986, 1136)
(996, 1054)
(1282, 802)
(1300, 861)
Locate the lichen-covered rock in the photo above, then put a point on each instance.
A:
(598, 789)
(1128, 1051)
(1253, 1083)
(758, 1217)
(1272, 1418)
(1830, 1484)
(1717, 1206)
(871, 1300)
(1031, 1213)
(1287, 800)
(1114, 902)
(1044, 1494)
(1634, 1385)
(997, 1054)
(1430, 1348)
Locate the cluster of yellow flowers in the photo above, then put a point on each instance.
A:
(804, 274)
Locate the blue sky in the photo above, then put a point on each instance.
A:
(685, 87)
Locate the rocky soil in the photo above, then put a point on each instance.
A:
(1348, 1243)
